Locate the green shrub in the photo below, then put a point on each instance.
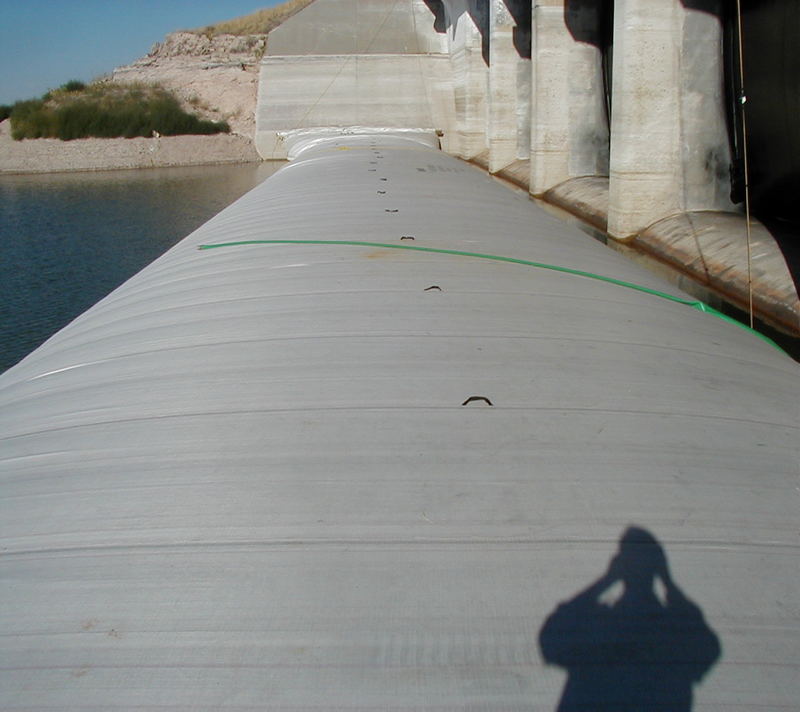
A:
(30, 119)
(106, 110)
(5, 111)
(73, 85)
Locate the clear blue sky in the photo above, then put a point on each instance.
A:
(44, 43)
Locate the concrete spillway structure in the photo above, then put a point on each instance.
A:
(349, 63)
(351, 443)
(623, 112)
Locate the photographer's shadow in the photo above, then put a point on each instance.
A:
(641, 652)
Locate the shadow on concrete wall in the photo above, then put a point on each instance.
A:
(639, 652)
(712, 7)
(439, 18)
(479, 12)
(771, 70)
(786, 234)
(590, 21)
(521, 12)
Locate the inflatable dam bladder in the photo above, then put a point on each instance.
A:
(384, 435)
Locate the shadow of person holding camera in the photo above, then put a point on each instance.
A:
(640, 652)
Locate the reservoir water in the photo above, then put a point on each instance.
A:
(68, 239)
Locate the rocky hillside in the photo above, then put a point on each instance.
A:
(215, 76)
(214, 69)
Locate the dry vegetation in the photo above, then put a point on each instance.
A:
(105, 110)
(259, 22)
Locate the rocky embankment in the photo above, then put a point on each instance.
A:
(214, 77)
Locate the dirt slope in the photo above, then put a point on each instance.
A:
(215, 77)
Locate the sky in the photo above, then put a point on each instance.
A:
(44, 43)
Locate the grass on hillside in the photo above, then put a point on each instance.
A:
(106, 110)
(259, 22)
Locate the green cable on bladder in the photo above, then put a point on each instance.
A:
(695, 304)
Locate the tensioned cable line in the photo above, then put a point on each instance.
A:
(743, 101)
(695, 304)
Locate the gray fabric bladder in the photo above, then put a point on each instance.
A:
(310, 476)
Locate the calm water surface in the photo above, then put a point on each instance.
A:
(67, 240)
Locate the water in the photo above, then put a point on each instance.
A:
(67, 240)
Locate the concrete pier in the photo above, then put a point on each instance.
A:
(509, 84)
(569, 129)
(468, 41)
(669, 145)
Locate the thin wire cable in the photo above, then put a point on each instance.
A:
(743, 101)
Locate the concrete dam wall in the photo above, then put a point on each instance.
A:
(618, 112)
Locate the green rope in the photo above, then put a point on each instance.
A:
(694, 304)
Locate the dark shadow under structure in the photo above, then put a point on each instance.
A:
(643, 652)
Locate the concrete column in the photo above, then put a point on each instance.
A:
(509, 85)
(569, 132)
(669, 147)
(470, 75)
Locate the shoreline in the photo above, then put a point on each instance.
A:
(51, 155)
